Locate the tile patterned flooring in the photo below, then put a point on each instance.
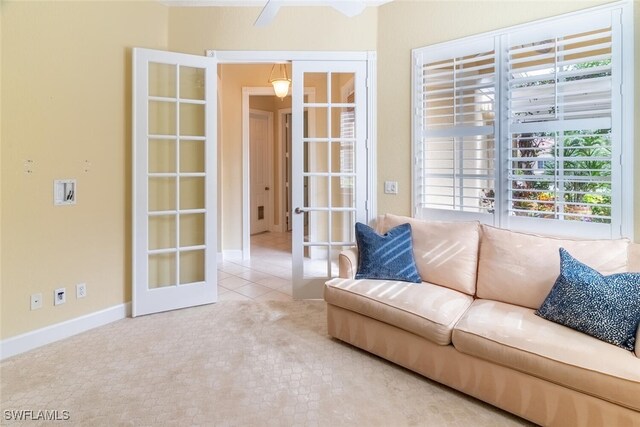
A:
(264, 277)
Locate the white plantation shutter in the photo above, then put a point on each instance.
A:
(525, 127)
(347, 136)
(559, 113)
(456, 149)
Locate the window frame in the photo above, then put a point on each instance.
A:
(622, 117)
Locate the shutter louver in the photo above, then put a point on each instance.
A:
(457, 143)
(559, 115)
(347, 136)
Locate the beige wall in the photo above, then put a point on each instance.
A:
(405, 25)
(66, 98)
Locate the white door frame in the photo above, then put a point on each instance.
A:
(254, 57)
(282, 170)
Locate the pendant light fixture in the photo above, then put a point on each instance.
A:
(281, 81)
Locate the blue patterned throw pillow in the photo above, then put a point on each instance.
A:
(387, 257)
(606, 307)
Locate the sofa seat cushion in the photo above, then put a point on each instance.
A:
(425, 309)
(515, 337)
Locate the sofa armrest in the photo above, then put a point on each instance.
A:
(348, 263)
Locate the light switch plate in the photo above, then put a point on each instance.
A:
(391, 187)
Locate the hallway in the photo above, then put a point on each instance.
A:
(264, 277)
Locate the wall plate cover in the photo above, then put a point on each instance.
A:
(64, 192)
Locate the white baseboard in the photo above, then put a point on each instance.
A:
(233, 254)
(39, 337)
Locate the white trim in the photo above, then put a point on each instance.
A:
(628, 92)
(372, 136)
(258, 56)
(233, 255)
(59, 331)
(282, 169)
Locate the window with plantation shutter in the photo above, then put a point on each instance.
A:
(456, 152)
(525, 128)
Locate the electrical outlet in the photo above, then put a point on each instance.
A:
(36, 301)
(59, 296)
(81, 290)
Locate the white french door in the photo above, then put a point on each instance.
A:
(174, 181)
(329, 168)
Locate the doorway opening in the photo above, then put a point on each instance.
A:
(327, 190)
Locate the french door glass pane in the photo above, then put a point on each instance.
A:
(317, 191)
(342, 194)
(318, 226)
(192, 266)
(162, 194)
(191, 156)
(191, 230)
(162, 155)
(191, 83)
(192, 119)
(162, 80)
(319, 82)
(342, 229)
(340, 84)
(162, 232)
(192, 193)
(316, 156)
(162, 270)
(162, 118)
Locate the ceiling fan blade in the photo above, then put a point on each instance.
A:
(348, 8)
(268, 13)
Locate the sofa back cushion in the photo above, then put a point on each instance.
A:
(520, 268)
(634, 257)
(446, 253)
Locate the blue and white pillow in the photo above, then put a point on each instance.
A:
(606, 307)
(386, 257)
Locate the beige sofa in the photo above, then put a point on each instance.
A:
(471, 323)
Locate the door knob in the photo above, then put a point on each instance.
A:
(299, 211)
(267, 188)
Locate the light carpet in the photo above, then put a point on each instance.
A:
(229, 364)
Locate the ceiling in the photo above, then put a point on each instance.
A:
(262, 3)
